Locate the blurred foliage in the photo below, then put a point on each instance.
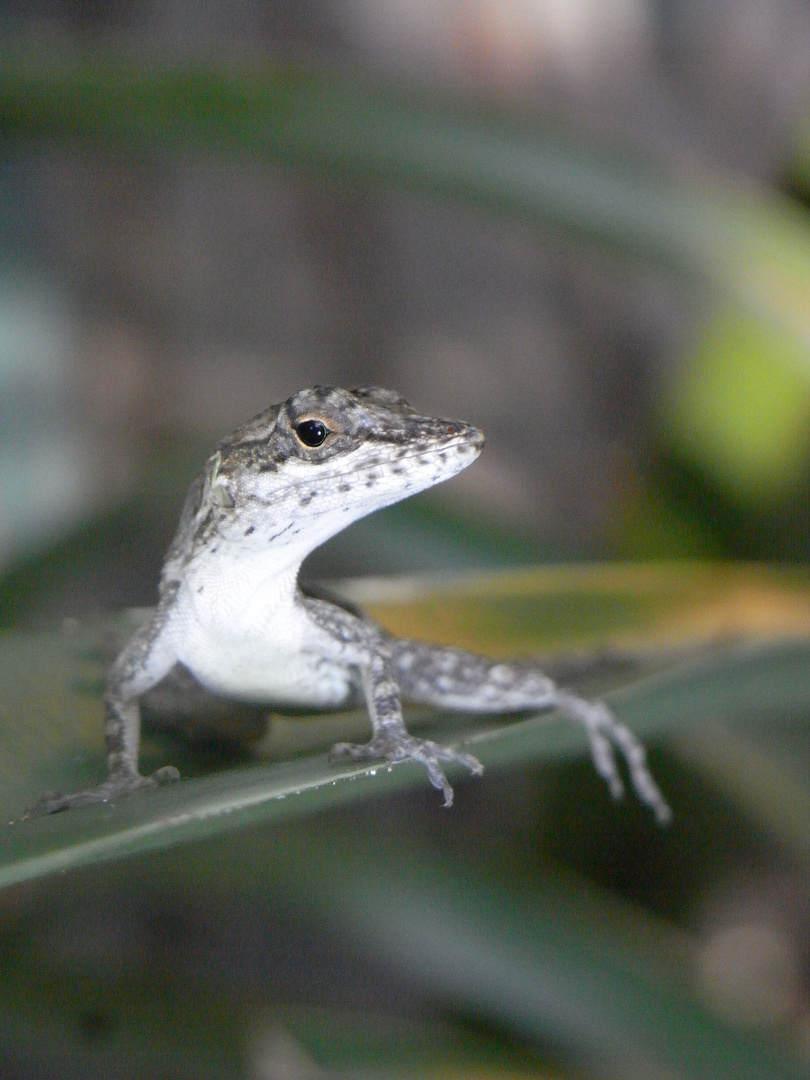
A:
(470, 910)
(274, 911)
(735, 415)
(749, 246)
(742, 409)
(798, 169)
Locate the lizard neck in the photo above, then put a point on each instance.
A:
(238, 589)
(280, 586)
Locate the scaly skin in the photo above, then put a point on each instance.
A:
(230, 609)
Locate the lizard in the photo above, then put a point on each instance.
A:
(230, 609)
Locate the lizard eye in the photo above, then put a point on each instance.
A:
(311, 432)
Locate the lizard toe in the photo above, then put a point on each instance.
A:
(115, 787)
(395, 749)
(167, 775)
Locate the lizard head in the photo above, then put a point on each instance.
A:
(302, 470)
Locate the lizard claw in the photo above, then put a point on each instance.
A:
(115, 787)
(397, 748)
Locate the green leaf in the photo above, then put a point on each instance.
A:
(51, 715)
(741, 408)
(537, 957)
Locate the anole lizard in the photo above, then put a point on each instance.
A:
(230, 609)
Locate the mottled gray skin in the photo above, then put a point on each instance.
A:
(231, 612)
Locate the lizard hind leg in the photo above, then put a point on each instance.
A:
(397, 746)
(391, 741)
(606, 732)
(454, 679)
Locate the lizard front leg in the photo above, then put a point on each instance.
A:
(144, 662)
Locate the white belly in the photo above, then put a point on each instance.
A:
(247, 639)
(303, 680)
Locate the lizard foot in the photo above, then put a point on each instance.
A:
(605, 732)
(113, 788)
(396, 748)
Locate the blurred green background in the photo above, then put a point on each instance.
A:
(582, 226)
